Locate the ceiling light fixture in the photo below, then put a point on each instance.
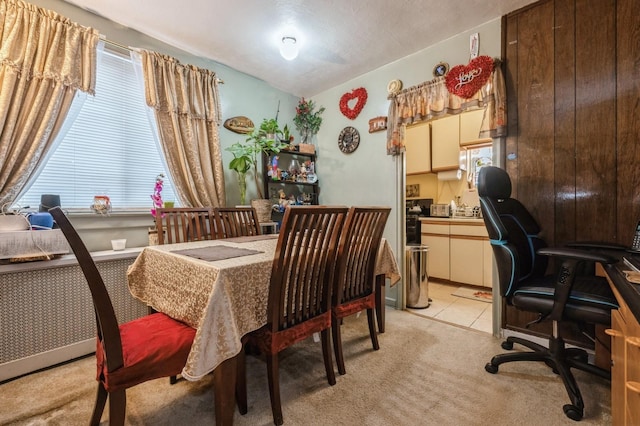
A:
(289, 48)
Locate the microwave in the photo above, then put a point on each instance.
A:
(440, 210)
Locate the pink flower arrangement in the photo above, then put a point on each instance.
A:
(156, 197)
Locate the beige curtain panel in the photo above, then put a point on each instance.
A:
(187, 109)
(44, 59)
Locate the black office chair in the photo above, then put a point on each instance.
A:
(521, 259)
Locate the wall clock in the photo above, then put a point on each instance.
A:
(348, 140)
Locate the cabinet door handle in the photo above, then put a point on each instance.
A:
(633, 341)
(633, 386)
(613, 333)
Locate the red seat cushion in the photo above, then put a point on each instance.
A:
(351, 307)
(153, 346)
(273, 343)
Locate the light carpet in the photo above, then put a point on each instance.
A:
(426, 373)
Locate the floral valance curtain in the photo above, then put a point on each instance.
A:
(187, 109)
(432, 99)
(44, 59)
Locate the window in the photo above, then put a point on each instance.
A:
(108, 150)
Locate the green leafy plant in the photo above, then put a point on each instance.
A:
(307, 120)
(270, 128)
(286, 136)
(247, 154)
(241, 165)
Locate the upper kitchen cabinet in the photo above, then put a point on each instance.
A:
(445, 146)
(470, 123)
(418, 149)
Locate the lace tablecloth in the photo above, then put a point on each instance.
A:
(222, 299)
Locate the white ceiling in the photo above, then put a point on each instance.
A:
(340, 39)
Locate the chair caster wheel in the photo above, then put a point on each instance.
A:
(490, 368)
(572, 412)
(507, 345)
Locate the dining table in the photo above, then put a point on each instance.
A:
(220, 288)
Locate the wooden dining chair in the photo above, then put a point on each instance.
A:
(299, 303)
(354, 283)
(144, 349)
(237, 221)
(183, 224)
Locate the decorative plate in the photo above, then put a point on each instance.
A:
(394, 87)
(440, 69)
(240, 124)
(348, 140)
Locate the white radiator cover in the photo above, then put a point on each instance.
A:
(47, 317)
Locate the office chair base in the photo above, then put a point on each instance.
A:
(560, 360)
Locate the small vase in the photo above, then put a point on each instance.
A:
(305, 136)
(242, 183)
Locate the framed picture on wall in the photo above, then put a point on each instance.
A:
(413, 191)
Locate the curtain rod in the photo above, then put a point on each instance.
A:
(122, 46)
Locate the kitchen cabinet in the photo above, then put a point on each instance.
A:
(459, 251)
(436, 237)
(466, 254)
(445, 146)
(417, 142)
(487, 264)
(470, 124)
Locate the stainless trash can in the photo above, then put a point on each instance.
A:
(417, 277)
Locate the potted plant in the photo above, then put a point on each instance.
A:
(307, 120)
(240, 164)
(286, 135)
(247, 154)
(270, 129)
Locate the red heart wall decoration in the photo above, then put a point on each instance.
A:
(466, 80)
(360, 94)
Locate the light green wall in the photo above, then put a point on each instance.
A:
(368, 176)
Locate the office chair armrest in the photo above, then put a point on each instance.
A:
(597, 245)
(580, 255)
(565, 278)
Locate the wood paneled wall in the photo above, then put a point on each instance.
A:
(573, 87)
(572, 69)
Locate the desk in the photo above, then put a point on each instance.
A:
(223, 300)
(625, 348)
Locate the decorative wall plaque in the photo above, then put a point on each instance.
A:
(377, 124)
(240, 124)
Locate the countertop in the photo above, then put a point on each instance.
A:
(455, 220)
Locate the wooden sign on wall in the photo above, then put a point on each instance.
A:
(377, 124)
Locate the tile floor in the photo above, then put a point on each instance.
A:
(456, 310)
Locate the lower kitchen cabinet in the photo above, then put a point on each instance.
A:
(436, 237)
(459, 251)
(487, 264)
(465, 260)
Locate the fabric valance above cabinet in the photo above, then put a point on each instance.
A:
(432, 99)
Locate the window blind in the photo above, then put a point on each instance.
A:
(108, 150)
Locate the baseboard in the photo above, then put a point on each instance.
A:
(20, 367)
